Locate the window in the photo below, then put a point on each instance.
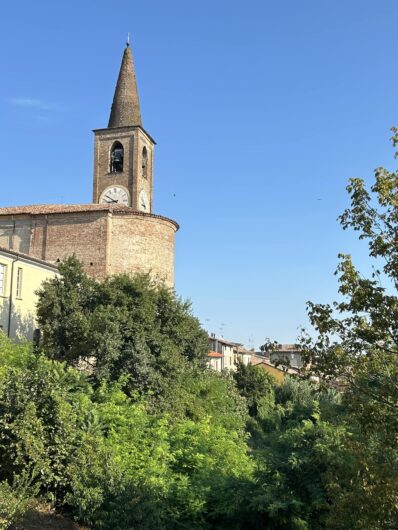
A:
(19, 283)
(2, 278)
(117, 158)
(144, 163)
(36, 337)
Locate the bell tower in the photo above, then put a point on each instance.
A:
(123, 152)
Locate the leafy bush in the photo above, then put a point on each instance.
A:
(108, 458)
(15, 500)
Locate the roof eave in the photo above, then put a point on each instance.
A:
(126, 127)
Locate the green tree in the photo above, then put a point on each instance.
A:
(298, 450)
(63, 312)
(255, 384)
(121, 326)
(206, 393)
(44, 408)
(108, 458)
(357, 345)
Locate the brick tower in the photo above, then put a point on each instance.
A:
(123, 152)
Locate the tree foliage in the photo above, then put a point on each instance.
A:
(113, 462)
(298, 443)
(106, 456)
(120, 326)
(357, 345)
(149, 437)
(254, 384)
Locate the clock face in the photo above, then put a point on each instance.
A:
(143, 202)
(115, 195)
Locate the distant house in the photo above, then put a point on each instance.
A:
(244, 356)
(286, 355)
(20, 277)
(216, 360)
(225, 355)
(278, 372)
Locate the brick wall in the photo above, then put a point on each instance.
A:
(133, 139)
(107, 241)
(142, 244)
(83, 234)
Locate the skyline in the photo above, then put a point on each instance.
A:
(260, 121)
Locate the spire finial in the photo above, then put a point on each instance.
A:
(128, 39)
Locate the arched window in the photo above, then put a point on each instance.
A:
(117, 157)
(144, 163)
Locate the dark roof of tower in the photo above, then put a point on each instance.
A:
(126, 104)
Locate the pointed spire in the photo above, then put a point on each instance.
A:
(126, 104)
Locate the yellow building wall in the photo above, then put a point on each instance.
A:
(23, 307)
(278, 374)
(229, 358)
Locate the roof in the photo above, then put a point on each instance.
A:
(59, 208)
(26, 257)
(285, 348)
(126, 105)
(224, 341)
(276, 372)
(215, 354)
(243, 351)
(238, 345)
(261, 361)
(124, 129)
(46, 209)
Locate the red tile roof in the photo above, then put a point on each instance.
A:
(215, 354)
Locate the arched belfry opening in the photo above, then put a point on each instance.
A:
(117, 158)
(144, 162)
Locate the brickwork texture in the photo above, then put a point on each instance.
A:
(108, 240)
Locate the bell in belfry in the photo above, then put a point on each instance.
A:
(117, 158)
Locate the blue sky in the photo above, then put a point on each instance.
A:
(261, 110)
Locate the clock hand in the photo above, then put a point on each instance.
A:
(110, 198)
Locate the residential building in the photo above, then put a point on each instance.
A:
(244, 356)
(20, 277)
(225, 354)
(278, 371)
(216, 361)
(287, 355)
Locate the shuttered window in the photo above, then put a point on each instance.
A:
(2, 278)
(19, 282)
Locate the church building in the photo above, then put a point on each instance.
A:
(117, 232)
